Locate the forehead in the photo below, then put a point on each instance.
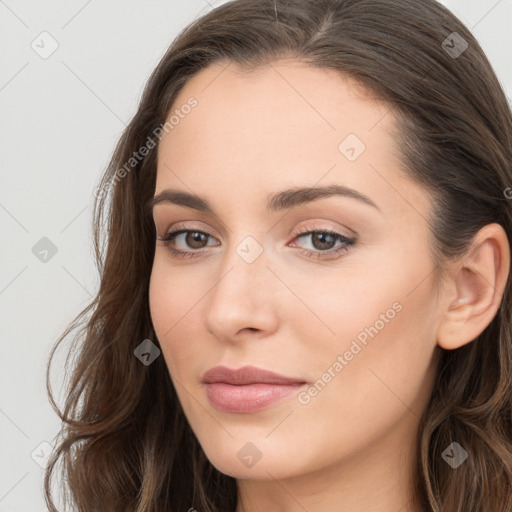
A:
(279, 124)
(282, 105)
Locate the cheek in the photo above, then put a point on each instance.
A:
(378, 365)
(171, 301)
(365, 390)
(382, 301)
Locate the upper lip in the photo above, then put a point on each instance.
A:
(246, 375)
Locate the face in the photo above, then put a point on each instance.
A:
(334, 291)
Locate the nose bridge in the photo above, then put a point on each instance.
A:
(241, 297)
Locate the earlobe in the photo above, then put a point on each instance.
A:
(475, 289)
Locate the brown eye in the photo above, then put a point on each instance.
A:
(186, 243)
(323, 241)
(196, 239)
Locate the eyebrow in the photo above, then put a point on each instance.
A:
(280, 201)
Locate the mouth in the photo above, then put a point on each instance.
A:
(247, 389)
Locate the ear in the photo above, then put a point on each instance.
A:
(475, 288)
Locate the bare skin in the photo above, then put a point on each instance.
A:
(294, 310)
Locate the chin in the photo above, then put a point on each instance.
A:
(259, 459)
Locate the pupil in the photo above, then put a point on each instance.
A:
(322, 237)
(196, 238)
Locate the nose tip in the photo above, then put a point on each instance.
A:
(240, 302)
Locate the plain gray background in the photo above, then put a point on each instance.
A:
(62, 115)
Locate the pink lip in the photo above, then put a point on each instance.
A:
(246, 389)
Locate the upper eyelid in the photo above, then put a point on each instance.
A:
(318, 225)
(303, 231)
(182, 227)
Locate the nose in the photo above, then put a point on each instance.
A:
(244, 299)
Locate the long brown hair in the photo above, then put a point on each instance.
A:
(125, 444)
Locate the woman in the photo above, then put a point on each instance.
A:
(304, 297)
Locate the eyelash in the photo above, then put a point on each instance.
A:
(301, 232)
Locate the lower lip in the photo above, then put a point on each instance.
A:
(249, 397)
